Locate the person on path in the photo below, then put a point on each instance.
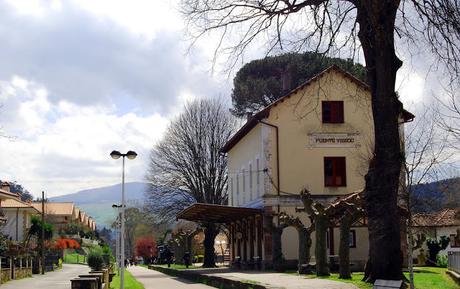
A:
(186, 259)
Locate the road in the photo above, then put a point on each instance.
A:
(59, 279)
(152, 279)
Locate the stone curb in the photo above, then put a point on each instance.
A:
(210, 280)
(454, 276)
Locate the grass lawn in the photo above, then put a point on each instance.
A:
(74, 258)
(432, 278)
(425, 278)
(130, 282)
(355, 279)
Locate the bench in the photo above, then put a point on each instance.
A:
(99, 276)
(387, 284)
(84, 283)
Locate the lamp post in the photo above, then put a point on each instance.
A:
(116, 155)
(117, 235)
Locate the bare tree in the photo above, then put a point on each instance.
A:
(425, 152)
(448, 114)
(319, 216)
(330, 26)
(188, 167)
(305, 241)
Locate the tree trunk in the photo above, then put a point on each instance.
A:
(322, 266)
(304, 247)
(210, 233)
(376, 34)
(344, 248)
(410, 253)
(277, 257)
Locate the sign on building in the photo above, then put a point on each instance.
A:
(333, 140)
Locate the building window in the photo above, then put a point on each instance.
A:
(352, 239)
(258, 176)
(230, 195)
(335, 172)
(332, 111)
(244, 185)
(237, 190)
(250, 180)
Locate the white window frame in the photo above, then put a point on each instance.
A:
(251, 187)
(231, 192)
(243, 172)
(238, 189)
(257, 176)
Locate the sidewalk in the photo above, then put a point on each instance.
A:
(152, 279)
(265, 279)
(284, 280)
(59, 279)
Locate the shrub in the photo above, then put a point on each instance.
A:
(441, 260)
(434, 246)
(146, 247)
(95, 260)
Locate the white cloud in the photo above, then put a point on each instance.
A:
(64, 147)
(130, 54)
(81, 78)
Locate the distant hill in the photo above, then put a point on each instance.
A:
(435, 196)
(133, 191)
(98, 202)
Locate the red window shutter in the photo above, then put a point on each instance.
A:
(326, 111)
(341, 172)
(335, 172)
(332, 111)
(338, 111)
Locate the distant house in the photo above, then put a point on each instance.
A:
(18, 215)
(62, 214)
(443, 223)
(5, 194)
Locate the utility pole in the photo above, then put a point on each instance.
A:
(43, 234)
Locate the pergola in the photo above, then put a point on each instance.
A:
(244, 224)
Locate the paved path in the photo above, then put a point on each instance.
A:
(282, 280)
(59, 279)
(152, 279)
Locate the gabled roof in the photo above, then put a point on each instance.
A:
(82, 216)
(8, 195)
(16, 203)
(76, 213)
(56, 208)
(445, 218)
(264, 113)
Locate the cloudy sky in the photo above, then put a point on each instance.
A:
(79, 78)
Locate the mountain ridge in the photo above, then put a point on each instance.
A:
(98, 202)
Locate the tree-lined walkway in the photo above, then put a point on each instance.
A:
(152, 279)
(59, 279)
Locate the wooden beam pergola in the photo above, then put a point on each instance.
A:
(200, 212)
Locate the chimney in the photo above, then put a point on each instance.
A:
(6, 186)
(248, 115)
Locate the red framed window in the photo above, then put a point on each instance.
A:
(335, 172)
(332, 111)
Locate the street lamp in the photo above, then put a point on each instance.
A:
(117, 234)
(116, 155)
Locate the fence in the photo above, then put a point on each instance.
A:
(74, 258)
(15, 268)
(453, 261)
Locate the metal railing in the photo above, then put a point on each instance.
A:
(453, 261)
